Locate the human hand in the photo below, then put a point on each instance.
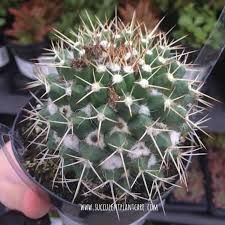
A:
(15, 194)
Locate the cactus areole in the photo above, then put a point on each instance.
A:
(113, 123)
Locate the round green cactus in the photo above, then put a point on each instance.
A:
(114, 120)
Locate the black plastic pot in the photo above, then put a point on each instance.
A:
(217, 212)
(70, 213)
(28, 52)
(25, 57)
(181, 206)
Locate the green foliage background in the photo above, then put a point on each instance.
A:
(74, 10)
(195, 19)
(4, 5)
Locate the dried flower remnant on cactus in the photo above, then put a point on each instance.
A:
(116, 115)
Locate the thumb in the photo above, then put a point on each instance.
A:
(15, 194)
(34, 206)
(21, 198)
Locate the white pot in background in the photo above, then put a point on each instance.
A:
(4, 56)
(29, 69)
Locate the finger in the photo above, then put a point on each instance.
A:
(11, 195)
(34, 206)
(21, 198)
(17, 195)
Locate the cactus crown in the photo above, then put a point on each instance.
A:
(116, 115)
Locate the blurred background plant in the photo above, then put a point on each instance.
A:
(33, 20)
(144, 10)
(195, 193)
(166, 5)
(216, 140)
(194, 19)
(196, 22)
(4, 5)
(216, 162)
(74, 10)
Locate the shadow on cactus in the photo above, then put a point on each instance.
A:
(113, 124)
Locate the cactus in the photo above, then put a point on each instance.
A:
(114, 121)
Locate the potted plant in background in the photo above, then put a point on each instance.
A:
(4, 5)
(193, 199)
(216, 172)
(74, 11)
(194, 20)
(27, 37)
(145, 13)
